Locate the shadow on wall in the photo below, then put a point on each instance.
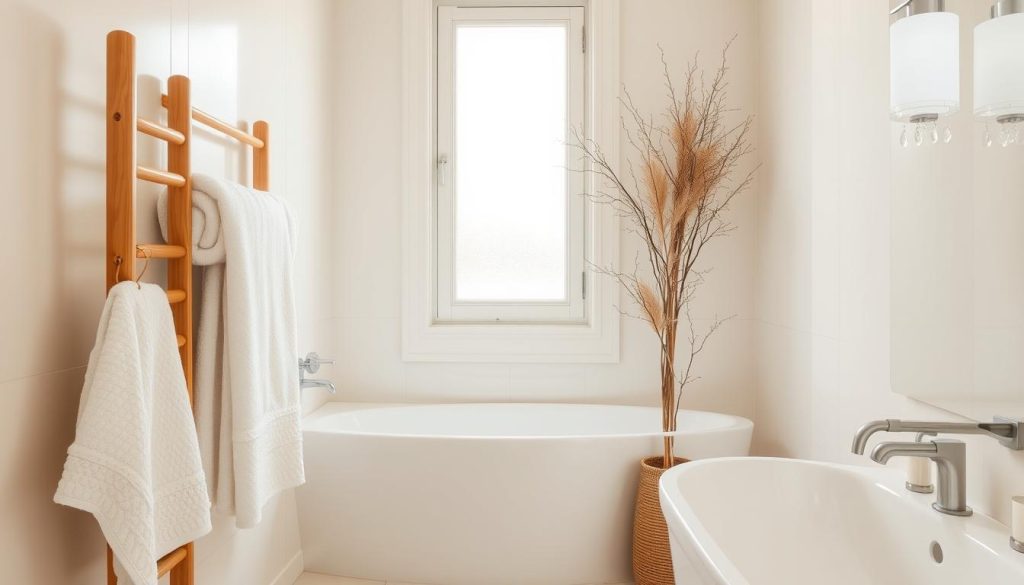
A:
(52, 240)
(52, 541)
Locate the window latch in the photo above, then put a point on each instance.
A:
(442, 169)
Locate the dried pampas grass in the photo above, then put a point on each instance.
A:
(688, 174)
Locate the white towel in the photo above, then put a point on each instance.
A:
(246, 376)
(207, 238)
(135, 461)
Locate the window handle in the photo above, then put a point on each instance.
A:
(442, 169)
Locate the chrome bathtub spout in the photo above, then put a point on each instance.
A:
(950, 457)
(312, 383)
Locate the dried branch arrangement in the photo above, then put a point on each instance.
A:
(674, 195)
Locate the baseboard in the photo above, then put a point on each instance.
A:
(291, 572)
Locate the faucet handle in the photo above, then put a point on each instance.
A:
(312, 362)
(919, 470)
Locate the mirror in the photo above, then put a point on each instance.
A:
(957, 305)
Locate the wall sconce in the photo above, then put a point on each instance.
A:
(924, 68)
(999, 71)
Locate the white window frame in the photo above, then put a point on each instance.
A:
(425, 337)
(448, 308)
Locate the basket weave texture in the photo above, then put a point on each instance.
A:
(652, 558)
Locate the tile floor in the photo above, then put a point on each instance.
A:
(319, 579)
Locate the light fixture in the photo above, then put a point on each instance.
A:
(924, 66)
(999, 70)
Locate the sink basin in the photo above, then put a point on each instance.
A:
(761, 521)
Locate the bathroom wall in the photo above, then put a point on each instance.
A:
(824, 243)
(247, 60)
(367, 249)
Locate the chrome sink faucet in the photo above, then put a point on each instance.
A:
(950, 457)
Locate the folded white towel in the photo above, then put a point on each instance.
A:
(207, 237)
(135, 461)
(246, 377)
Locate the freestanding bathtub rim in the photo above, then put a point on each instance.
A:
(446, 501)
(318, 422)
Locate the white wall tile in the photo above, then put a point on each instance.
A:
(369, 366)
(448, 382)
(367, 156)
(783, 417)
(547, 383)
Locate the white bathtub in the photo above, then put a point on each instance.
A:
(485, 494)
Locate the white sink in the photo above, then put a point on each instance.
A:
(759, 521)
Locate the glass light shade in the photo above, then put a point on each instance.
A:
(925, 65)
(999, 66)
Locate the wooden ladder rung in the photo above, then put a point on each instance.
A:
(159, 131)
(181, 340)
(160, 177)
(212, 122)
(159, 251)
(175, 296)
(170, 560)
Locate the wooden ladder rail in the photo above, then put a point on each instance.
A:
(259, 140)
(123, 170)
(122, 248)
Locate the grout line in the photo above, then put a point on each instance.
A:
(41, 374)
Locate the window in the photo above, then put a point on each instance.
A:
(510, 207)
(497, 234)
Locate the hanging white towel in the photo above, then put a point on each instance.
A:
(246, 377)
(135, 461)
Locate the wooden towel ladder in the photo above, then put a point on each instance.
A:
(123, 170)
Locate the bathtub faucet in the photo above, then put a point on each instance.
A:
(314, 383)
(311, 364)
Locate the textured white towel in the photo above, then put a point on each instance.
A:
(135, 461)
(207, 237)
(246, 377)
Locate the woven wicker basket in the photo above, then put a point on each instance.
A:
(652, 559)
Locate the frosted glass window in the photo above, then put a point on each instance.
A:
(510, 211)
(510, 173)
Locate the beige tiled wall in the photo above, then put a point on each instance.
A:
(247, 60)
